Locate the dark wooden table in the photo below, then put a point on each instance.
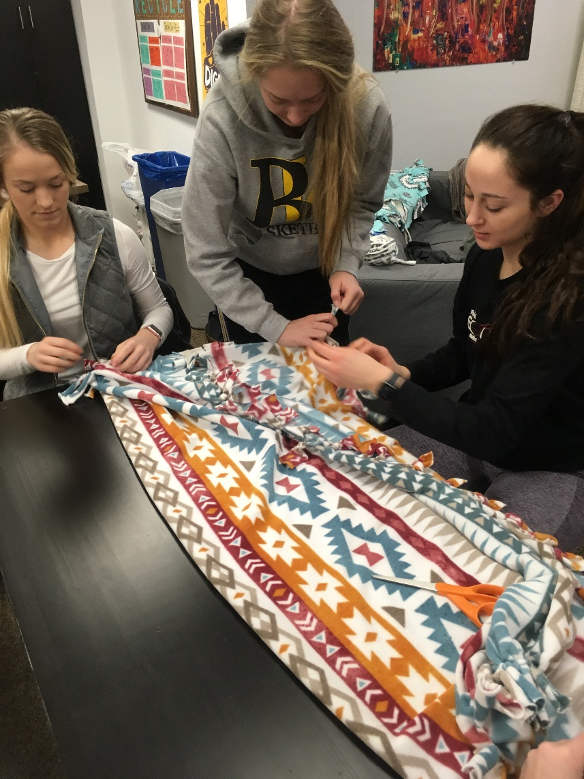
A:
(144, 669)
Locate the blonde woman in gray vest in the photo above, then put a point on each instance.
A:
(69, 275)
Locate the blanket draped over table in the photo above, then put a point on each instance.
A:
(288, 501)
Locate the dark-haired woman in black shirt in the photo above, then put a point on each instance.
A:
(517, 434)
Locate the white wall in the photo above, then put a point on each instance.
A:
(437, 112)
(94, 24)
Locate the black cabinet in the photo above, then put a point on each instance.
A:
(41, 68)
(18, 85)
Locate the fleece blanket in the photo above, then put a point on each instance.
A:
(289, 501)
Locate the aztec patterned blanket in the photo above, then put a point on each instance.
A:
(288, 501)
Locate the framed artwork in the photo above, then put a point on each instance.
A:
(165, 44)
(213, 19)
(412, 34)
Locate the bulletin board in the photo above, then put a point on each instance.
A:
(165, 46)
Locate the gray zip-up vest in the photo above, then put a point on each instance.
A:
(106, 304)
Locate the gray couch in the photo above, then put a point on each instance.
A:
(408, 308)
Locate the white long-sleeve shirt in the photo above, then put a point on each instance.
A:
(57, 283)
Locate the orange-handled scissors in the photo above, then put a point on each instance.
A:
(479, 599)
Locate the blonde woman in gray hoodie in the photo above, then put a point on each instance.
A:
(291, 156)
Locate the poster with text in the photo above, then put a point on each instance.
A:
(411, 34)
(213, 19)
(165, 44)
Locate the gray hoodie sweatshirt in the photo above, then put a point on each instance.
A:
(246, 189)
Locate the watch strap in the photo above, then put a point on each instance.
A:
(390, 386)
(154, 329)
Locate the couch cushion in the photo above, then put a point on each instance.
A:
(407, 308)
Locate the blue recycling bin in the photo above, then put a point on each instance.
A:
(159, 170)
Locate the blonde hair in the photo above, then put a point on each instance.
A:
(311, 34)
(39, 131)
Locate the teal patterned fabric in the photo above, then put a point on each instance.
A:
(405, 197)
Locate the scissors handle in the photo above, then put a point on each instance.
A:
(479, 599)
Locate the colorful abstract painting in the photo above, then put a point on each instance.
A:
(412, 34)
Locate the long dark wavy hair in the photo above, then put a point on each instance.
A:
(544, 150)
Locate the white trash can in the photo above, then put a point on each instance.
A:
(165, 207)
(133, 191)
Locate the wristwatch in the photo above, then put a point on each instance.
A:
(390, 386)
(155, 330)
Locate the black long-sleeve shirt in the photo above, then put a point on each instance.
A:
(523, 413)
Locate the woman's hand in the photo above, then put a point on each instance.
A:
(546, 760)
(135, 354)
(347, 367)
(303, 332)
(381, 355)
(54, 355)
(346, 292)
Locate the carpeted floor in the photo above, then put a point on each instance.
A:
(27, 746)
(198, 337)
